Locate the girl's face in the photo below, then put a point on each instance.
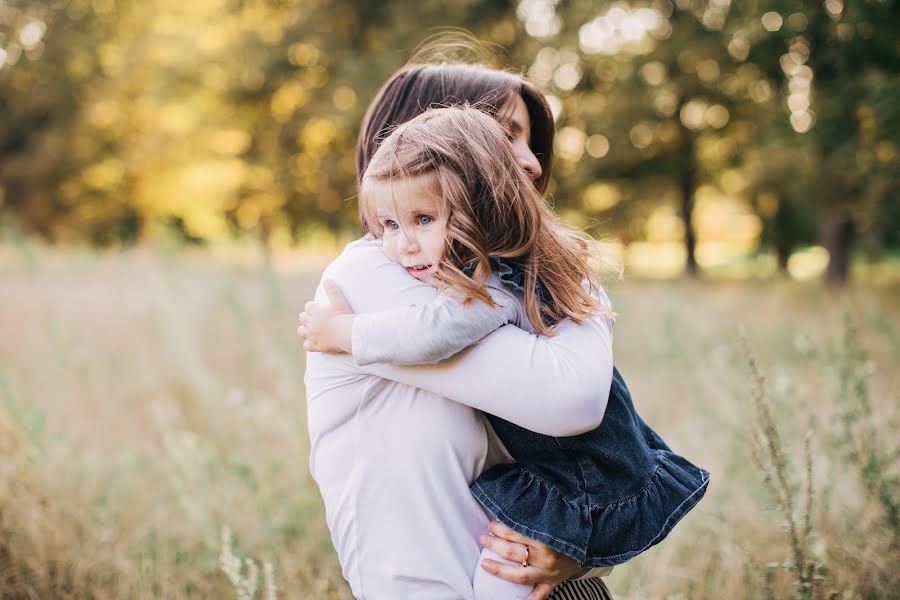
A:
(514, 117)
(409, 211)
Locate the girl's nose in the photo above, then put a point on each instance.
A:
(409, 243)
(527, 160)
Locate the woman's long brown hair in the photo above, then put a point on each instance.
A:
(417, 87)
(491, 208)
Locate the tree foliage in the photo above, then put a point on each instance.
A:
(708, 124)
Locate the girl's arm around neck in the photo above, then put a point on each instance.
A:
(551, 385)
(428, 333)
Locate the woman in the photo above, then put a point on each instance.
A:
(374, 505)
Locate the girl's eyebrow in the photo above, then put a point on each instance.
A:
(420, 209)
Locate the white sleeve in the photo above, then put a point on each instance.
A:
(428, 333)
(555, 385)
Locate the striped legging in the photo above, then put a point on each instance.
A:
(582, 589)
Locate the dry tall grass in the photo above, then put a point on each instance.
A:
(150, 400)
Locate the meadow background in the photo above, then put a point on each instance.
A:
(174, 176)
(151, 399)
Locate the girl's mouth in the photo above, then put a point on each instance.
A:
(419, 271)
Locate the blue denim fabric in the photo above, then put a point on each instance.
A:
(601, 497)
(512, 274)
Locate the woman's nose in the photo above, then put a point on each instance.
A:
(527, 160)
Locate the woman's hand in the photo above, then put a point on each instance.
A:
(546, 568)
(327, 327)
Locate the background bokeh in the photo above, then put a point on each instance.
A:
(697, 135)
(175, 174)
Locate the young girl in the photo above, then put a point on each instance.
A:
(447, 198)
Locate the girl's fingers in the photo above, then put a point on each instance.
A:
(336, 297)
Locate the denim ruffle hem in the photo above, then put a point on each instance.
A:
(601, 497)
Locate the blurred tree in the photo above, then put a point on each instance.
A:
(680, 92)
(678, 103)
(50, 59)
(318, 82)
(837, 66)
(225, 119)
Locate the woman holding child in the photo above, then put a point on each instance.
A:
(395, 449)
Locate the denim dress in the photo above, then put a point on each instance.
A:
(601, 497)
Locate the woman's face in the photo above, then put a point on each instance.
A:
(514, 117)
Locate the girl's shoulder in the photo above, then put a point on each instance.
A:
(510, 273)
(510, 298)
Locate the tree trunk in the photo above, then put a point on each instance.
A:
(264, 233)
(687, 183)
(836, 231)
(782, 236)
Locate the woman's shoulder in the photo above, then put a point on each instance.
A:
(358, 255)
(604, 301)
(358, 266)
(362, 247)
(371, 281)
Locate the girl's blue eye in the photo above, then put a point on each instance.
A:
(510, 135)
(392, 225)
(424, 219)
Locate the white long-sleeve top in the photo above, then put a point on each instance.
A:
(421, 334)
(394, 449)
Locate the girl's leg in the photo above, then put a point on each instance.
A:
(489, 587)
(582, 589)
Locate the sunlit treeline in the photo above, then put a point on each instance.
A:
(694, 134)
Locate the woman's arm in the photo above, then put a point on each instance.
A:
(554, 386)
(551, 385)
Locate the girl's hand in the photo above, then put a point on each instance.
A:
(327, 327)
(546, 568)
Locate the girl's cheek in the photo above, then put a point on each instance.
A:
(389, 248)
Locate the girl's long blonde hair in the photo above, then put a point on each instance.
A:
(492, 210)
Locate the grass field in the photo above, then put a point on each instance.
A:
(151, 399)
